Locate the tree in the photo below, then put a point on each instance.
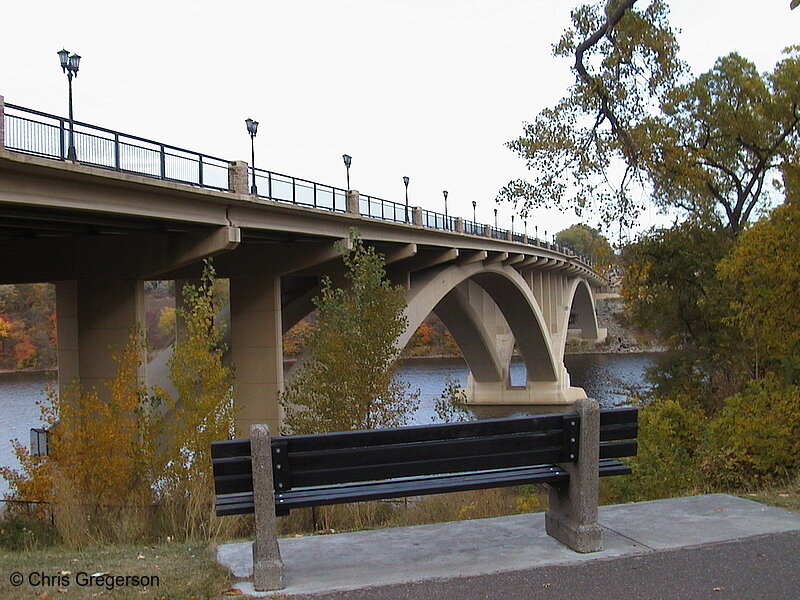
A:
(587, 241)
(348, 379)
(718, 139)
(671, 288)
(706, 147)
(625, 61)
(764, 266)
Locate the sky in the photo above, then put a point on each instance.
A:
(429, 89)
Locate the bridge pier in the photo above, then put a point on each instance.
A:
(533, 392)
(93, 319)
(256, 351)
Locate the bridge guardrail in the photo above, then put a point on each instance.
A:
(436, 220)
(41, 134)
(285, 188)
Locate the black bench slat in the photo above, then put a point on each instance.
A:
(230, 448)
(425, 467)
(624, 431)
(618, 415)
(465, 447)
(421, 433)
(610, 468)
(235, 465)
(232, 484)
(618, 449)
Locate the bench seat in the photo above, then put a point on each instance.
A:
(242, 502)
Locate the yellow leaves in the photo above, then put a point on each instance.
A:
(110, 457)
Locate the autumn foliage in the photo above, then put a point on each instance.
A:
(130, 464)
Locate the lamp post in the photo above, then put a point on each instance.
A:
(536, 228)
(70, 64)
(474, 220)
(347, 160)
(495, 218)
(405, 181)
(512, 224)
(526, 227)
(252, 129)
(445, 209)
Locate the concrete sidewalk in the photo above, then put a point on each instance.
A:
(364, 559)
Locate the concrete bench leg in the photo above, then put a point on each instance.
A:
(572, 515)
(267, 563)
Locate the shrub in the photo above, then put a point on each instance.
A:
(755, 439)
(667, 463)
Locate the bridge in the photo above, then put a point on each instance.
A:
(128, 210)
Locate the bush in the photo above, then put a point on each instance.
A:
(667, 463)
(755, 439)
(24, 533)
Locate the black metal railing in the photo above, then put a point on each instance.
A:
(473, 228)
(377, 208)
(499, 234)
(285, 188)
(436, 220)
(41, 134)
(47, 135)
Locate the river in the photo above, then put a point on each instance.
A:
(603, 376)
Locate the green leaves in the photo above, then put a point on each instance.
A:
(626, 60)
(348, 378)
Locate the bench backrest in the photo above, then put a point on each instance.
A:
(377, 454)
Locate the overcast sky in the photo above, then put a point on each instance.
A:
(431, 89)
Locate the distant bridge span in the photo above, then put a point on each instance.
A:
(101, 226)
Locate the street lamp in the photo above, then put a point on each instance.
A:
(347, 160)
(495, 218)
(512, 224)
(536, 228)
(445, 209)
(252, 129)
(70, 64)
(405, 181)
(526, 227)
(474, 220)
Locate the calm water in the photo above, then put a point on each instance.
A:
(603, 376)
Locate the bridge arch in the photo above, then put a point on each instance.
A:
(514, 299)
(580, 302)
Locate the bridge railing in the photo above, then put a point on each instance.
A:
(436, 220)
(499, 234)
(285, 188)
(377, 208)
(473, 228)
(42, 134)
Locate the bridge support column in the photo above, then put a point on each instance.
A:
(256, 351)
(94, 319)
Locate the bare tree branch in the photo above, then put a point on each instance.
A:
(606, 109)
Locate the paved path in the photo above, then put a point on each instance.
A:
(713, 546)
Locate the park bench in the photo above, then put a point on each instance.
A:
(270, 476)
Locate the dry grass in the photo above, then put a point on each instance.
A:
(439, 508)
(184, 572)
(784, 496)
